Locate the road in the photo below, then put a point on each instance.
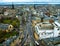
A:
(28, 31)
(29, 28)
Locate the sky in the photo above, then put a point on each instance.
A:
(29, 0)
(46, 1)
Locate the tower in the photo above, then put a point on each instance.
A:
(12, 6)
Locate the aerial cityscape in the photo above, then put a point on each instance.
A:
(30, 25)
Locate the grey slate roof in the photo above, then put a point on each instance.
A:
(4, 26)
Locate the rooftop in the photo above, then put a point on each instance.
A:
(45, 26)
(4, 26)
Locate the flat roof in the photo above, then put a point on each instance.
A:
(45, 26)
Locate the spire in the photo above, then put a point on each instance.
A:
(12, 6)
(34, 6)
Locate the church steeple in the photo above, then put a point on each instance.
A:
(12, 6)
(34, 6)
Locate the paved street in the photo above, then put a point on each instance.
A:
(28, 31)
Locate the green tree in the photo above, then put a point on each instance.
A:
(7, 21)
(14, 23)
